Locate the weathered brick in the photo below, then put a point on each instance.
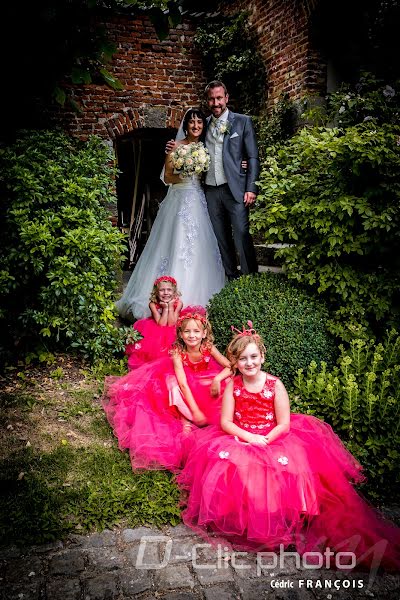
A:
(169, 73)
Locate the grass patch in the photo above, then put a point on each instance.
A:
(22, 400)
(61, 471)
(99, 427)
(82, 404)
(46, 496)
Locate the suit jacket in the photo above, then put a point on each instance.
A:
(240, 143)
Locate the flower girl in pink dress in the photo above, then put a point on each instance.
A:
(159, 330)
(152, 408)
(267, 479)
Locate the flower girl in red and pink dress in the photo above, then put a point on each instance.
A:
(152, 408)
(159, 330)
(267, 478)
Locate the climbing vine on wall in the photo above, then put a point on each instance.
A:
(230, 53)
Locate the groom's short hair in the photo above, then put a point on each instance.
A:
(214, 84)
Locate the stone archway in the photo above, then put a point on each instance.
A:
(129, 120)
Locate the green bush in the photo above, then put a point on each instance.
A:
(291, 322)
(360, 398)
(277, 126)
(370, 100)
(333, 195)
(60, 252)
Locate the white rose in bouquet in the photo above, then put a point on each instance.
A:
(190, 159)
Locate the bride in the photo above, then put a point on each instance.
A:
(182, 243)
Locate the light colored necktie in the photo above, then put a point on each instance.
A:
(215, 128)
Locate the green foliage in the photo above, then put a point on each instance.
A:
(46, 496)
(291, 322)
(360, 398)
(371, 99)
(278, 126)
(333, 196)
(60, 251)
(229, 51)
(101, 369)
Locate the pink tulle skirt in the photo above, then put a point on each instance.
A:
(145, 409)
(156, 342)
(295, 491)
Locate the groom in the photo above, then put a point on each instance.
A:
(230, 190)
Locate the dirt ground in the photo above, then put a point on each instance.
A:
(44, 405)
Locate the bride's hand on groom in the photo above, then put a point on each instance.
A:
(169, 146)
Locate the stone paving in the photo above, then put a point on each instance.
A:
(172, 564)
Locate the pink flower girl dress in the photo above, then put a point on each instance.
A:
(156, 341)
(146, 407)
(295, 491)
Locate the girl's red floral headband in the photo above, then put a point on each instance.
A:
(165, 278)
(198, 313)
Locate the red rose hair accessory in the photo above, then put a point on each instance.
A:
(245, 332)
(165, 278)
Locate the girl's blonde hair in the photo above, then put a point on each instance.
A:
(239, 344)
(164, 279)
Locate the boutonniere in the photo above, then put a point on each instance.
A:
(225, 127)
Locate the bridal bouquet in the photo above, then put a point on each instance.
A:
(190, 159)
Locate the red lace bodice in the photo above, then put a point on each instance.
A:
(255, 412)
(201, 365)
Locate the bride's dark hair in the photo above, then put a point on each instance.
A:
(195, 112)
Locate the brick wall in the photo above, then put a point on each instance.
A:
(284, 32)
(160, 79)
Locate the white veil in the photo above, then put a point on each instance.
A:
(179, 136)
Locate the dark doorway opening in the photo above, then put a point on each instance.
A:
(140, 158)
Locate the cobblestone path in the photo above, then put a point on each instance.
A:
(172, 564)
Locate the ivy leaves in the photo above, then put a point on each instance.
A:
(230, 53)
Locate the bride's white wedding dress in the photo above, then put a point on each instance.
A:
(181, 244)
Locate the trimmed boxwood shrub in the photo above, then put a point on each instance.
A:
(291, 322)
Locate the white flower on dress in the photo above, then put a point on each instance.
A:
(269, 416)
(137, 346)
(236, 391)
(283, 460)
(207, 359)
(223, 454)
(267, 393)
(238, 414)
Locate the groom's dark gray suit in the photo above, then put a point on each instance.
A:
(225, 202)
